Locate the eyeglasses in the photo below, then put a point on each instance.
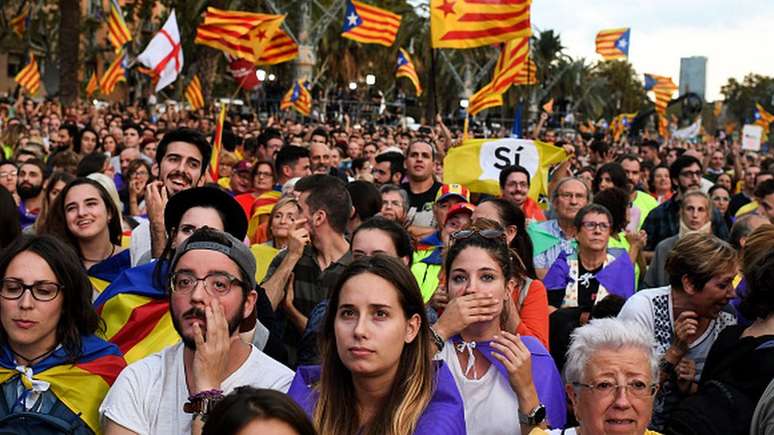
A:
(605, 389)
(591, 226)
(263, 174)
(9, 174)
(691, 174)
(521, 184)
(42, 291)
(215, 283)
(570, 195)
(492, 234)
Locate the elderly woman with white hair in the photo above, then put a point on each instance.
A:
(611, 378)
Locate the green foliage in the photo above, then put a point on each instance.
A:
(740, 98)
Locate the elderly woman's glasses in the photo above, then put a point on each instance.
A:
(606, 389)
(492, 234)
(42, 291)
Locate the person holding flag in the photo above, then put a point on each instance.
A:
(54, 371)
(164, 54)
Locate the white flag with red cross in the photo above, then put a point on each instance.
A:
(164, 54)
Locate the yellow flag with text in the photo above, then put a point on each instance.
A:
(477, 164)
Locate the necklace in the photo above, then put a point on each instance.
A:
(30, 361)
(112, 251)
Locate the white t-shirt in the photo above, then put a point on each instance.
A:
(491, 406)
(149, 395)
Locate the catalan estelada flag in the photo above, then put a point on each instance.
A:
(298, 98)
(118, 32)
(473, 23)
(193, 93)
(240, 34)
(477, 164)
(621, 123)
(762, 117)
(80, 386)
(217, 145)
(613, 43)
(114, 74)
(663, 87)
(93, 86)
(136, 313)
(512, 59)
(29, 77)
(19, 22)
(281, 48)
(406, 69)
(104, 272)
(369, 24)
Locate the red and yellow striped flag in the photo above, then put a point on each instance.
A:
(29, 77)
(663, 87)
(298, 98)
(526, 76)
(473, 23)
(281, 48)
(19, 22)
(369, 24)
(240, 34)
(93, 86)
(613, 43)
(118, 32)
(114, 74)
(217, 145)
(512, 59)
(406, 69)
(193, 93)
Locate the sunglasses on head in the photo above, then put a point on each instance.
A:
(491, 234)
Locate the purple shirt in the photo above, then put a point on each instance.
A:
(26, 217)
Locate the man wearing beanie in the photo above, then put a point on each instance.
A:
(211, 289)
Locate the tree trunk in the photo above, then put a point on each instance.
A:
(69, 44)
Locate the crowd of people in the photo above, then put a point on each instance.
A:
(321, 278)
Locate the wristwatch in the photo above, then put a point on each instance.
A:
(535, 417)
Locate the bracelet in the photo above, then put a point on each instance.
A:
(209, 394)
(437, 339)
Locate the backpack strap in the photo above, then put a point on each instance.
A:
(524, 291)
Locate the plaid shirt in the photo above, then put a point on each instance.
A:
(664, 222)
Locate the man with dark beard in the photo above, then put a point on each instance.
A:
(29, 187)
(211, 289)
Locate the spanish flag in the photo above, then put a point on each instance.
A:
(193, 93)
(613, 43)
(406, 69)
(240, 34)
(298, 98)
(136, 313)
(19, 22)
(118, 32)
(29, 77)
(473, 23)
(93, 86)
(663, 87)
(477, 164)
(80, 386)
(217, 145)
(281, 48)
(114, 74)
(369, 24)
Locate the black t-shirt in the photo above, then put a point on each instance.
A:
(588, 287)
(421, 205)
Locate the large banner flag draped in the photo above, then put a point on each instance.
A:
(613, 43)
(473, 23)
(298, 98)
(79, 385)
(512, 59)
(406, 69)
(164, 54)
(477, 164)
(114, 74)
(29, 76)
(240, 34)
(369, 24)
(93, 86)
(217, 145)
(118, 32)
(281, 48)
(194, 95)
(663, 87)
(19, 22)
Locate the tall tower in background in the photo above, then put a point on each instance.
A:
(693, 75)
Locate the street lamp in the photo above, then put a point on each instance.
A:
(260, 75)
(370, 79)
(464, 103)
(352, 86)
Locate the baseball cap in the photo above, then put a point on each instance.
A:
(234, 219)
(463, 207)
(448, 190)
(243, 166)
(210, 239)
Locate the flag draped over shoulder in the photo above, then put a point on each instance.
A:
(473, 23)
(193, 93)
(80, 386)
(104, 272)
(118, 32)
(240, 34)
(217, 145)
(512, 59)
(298, 98)
(93, 86)
(477, 164)
(29, 77)
(406, 69)
(164, 54)
(369, 24)
(114, 74)
(281, 48)
(613, 43)
(19, 22)
(663, 87)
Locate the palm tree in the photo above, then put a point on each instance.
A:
(69, 48)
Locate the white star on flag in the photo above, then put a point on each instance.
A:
(622, 44)
(352, 19)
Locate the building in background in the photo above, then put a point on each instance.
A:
(693, 75)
